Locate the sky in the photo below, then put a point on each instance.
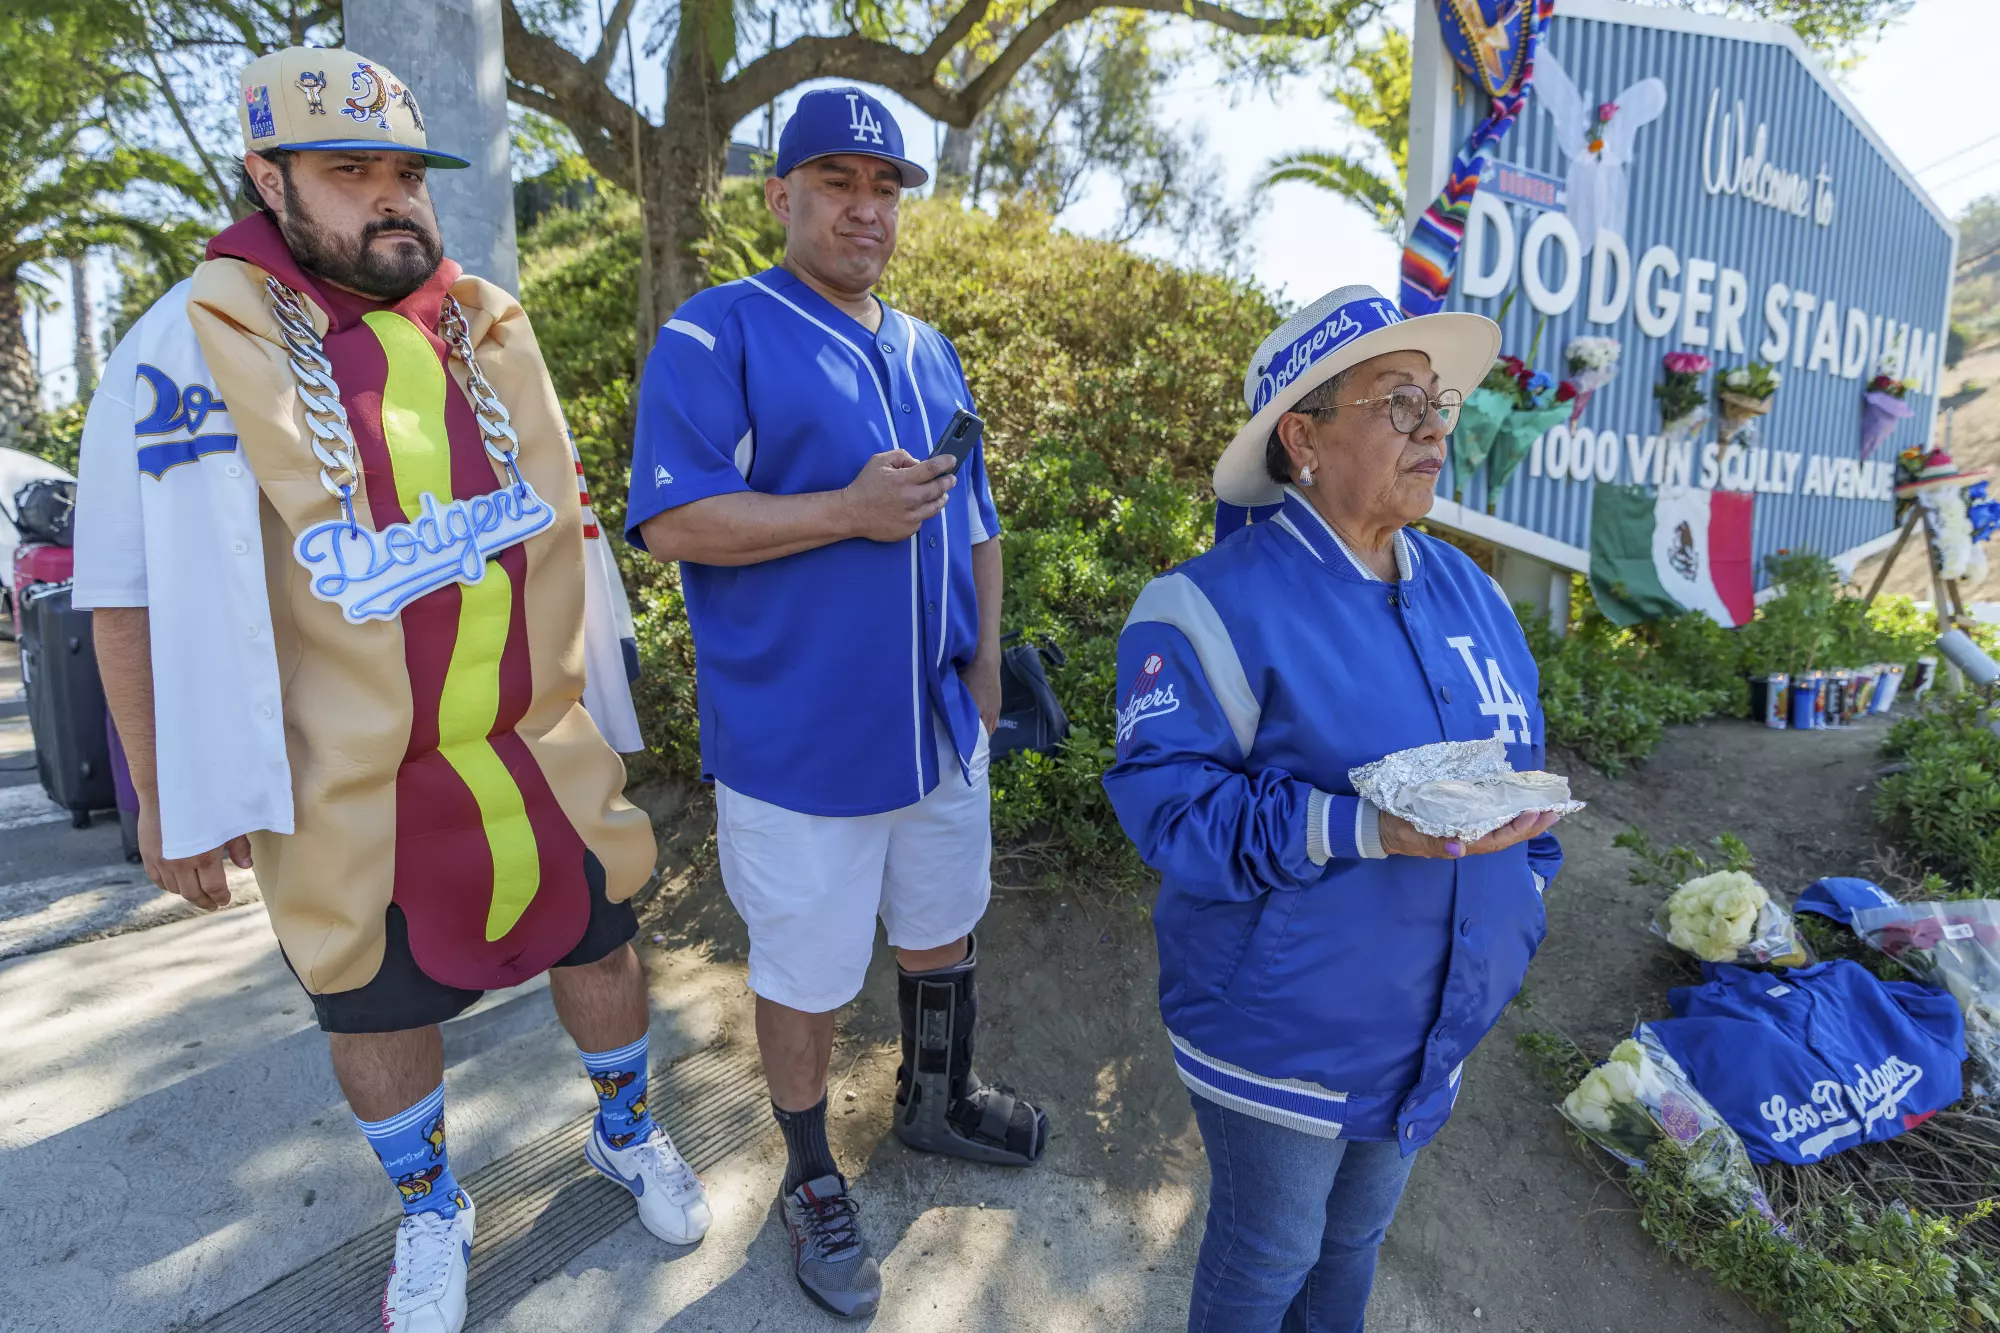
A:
(1925, 87)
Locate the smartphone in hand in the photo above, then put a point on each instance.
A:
(961, 433)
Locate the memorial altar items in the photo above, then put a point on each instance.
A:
(1639, 1097)
(1805, 1063)
(1683, 402)
(1882, 409)
(1591, 363)
(1728, 917)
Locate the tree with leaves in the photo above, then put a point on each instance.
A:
(1374, 92)
(71, 179)
(952, 60)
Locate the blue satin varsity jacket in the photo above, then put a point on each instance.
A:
(1305, 978)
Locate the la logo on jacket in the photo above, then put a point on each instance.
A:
(1497, 699)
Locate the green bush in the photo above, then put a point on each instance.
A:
(1944, 804)
(1109, 382)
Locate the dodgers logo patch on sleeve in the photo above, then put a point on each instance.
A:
(1147, 698)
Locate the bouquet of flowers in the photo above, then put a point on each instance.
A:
(1959, 554)
(1728, 917)
(1683, 403)
(1954, 946)
(1591, 363)
(1641, 1096)
(1882, 407)
(1485, 408)
(1533, 405)
(1746, 393)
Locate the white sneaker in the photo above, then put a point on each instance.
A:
(426, 1291)
(673, 1203)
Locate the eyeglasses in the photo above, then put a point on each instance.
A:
(1410, 407)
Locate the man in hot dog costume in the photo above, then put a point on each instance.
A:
(346, 589)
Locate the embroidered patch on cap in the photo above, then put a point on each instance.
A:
(262, 124)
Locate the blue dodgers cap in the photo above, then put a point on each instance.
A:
(843, 120)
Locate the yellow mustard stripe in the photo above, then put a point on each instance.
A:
(465, 714)
(413, 412)
(413, 426)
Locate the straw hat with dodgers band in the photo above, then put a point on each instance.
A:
(324, 98)
(1343, 328)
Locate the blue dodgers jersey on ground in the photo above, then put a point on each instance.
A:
(1301, 982)
(818, 676)
(1806, 1062)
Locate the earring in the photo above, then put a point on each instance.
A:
(1306, 475)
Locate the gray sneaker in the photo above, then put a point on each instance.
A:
(829, 1255)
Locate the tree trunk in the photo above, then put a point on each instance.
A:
(86, 333)
(19, 386)
(954, 173)
(684, 161)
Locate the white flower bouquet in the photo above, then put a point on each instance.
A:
(1728, 917)
(1958, 552)
(1641, 1096)
(1591, 363)
(1745, 394)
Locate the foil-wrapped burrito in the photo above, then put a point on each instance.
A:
(1459, 789)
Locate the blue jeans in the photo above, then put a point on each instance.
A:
(1294, 1223)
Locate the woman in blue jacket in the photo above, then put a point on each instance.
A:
(1325, 969)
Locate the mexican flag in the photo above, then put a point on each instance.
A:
(1683, 549)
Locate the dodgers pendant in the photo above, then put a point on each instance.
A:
(374, 575)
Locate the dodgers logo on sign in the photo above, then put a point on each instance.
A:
(258, 100)
(862, 121)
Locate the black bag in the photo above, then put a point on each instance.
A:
(1030, 716)
(65, 703)
(44, 510)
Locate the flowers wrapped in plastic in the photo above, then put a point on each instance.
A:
(1592, 363)
(1683, 402)
(1746, 393)
(1954, 946)
(1728, 917)
(1882, 410)
(1984, 513)
(1459, 789)
(1640, 1096)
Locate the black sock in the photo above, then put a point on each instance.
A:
(808, 1157)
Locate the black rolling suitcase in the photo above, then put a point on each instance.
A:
(65, 704)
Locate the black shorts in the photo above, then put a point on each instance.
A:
(402, 996)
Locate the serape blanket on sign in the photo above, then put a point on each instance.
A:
(1806, 1062)
(1493, 42)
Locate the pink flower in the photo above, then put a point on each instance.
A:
(1687, 363)
(1606, 111)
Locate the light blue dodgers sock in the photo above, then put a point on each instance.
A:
(410, 1145)
(620, 1080)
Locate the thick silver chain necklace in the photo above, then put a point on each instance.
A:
(372, 575)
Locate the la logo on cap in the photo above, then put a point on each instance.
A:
(862, 121)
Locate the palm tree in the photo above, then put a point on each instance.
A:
(1374, 90)
(70, 179)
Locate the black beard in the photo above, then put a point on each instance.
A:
(387, 275)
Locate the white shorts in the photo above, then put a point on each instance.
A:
(810, 886)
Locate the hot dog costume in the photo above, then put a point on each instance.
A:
(368, 656)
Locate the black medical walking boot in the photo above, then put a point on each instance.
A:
(939, 1108)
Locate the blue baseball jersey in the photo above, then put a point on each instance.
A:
(820, 677)
(1806, 1062)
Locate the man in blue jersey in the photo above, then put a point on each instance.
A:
(843, 586)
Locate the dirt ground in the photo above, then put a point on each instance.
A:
(1506, 1225)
